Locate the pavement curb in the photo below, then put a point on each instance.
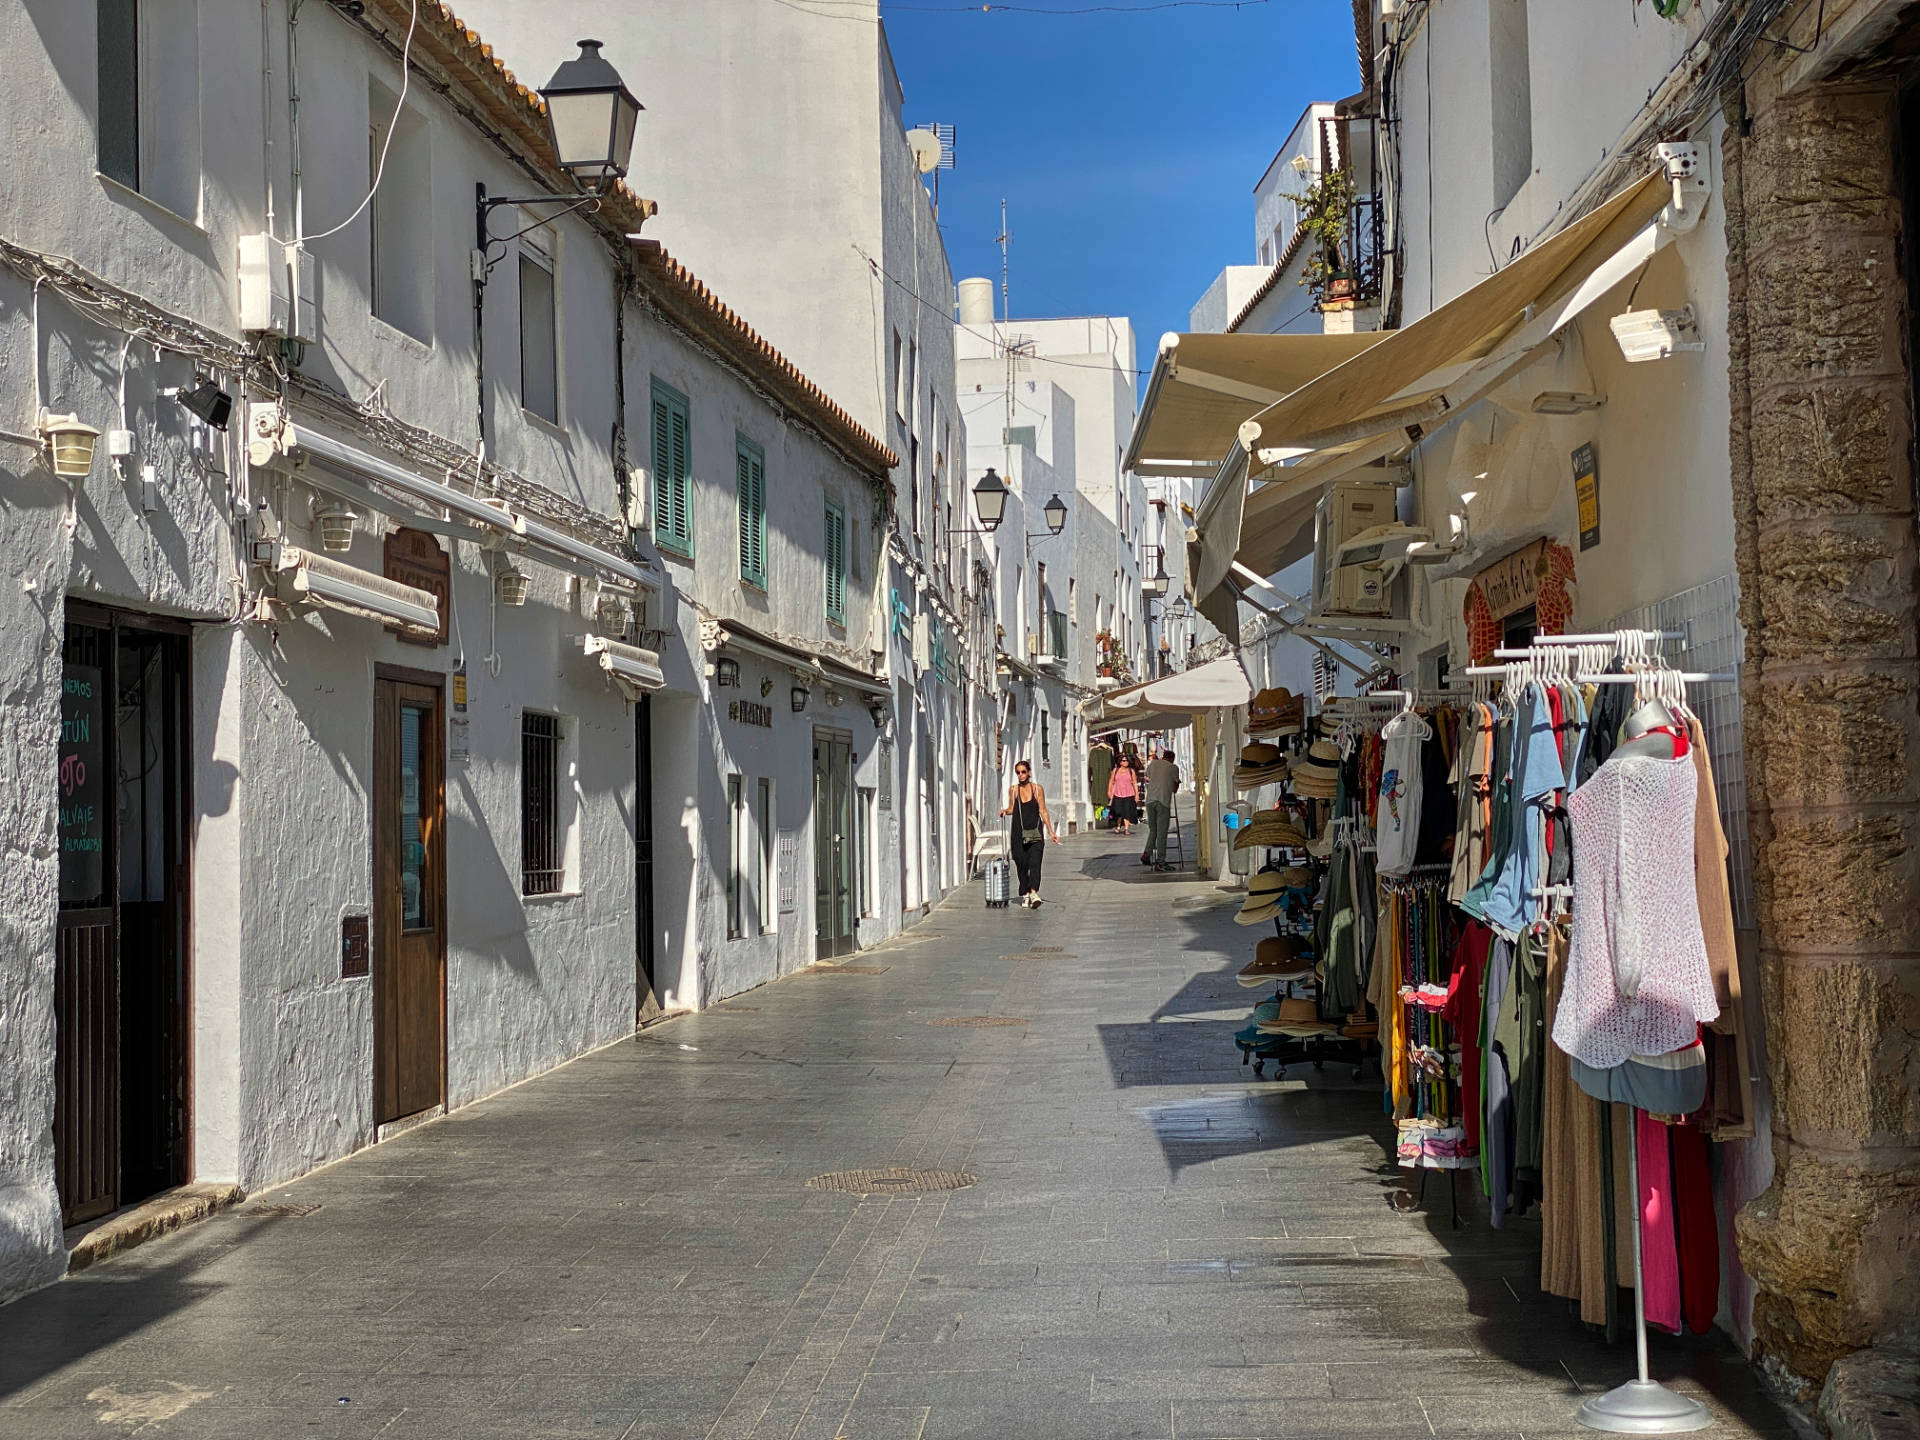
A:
(159, 1216)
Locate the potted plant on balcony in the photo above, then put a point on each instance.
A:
(1326, 207)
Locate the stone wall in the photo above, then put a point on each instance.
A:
(1823, 495)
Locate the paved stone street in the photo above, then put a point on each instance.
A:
(1158, 1243)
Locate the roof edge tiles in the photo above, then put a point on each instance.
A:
(468, 63)
(688, 301)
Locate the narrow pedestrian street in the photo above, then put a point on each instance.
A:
(1154, 1242)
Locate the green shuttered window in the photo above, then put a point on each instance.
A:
(672, 471)
(750, 479)
(835, 552)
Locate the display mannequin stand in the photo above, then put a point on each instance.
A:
(1642, 1406)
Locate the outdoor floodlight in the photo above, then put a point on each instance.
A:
(207, 402)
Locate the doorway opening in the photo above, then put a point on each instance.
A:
(409, 895)
(121, 1004)
(833, 903)
(648, 1001)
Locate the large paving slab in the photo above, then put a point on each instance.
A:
(1159, 1244)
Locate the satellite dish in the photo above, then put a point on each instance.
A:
(926, 149)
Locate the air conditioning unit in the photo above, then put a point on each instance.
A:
(1347, 511)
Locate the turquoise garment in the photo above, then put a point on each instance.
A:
(1500, 823)
(1536, 774)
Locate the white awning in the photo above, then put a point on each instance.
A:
(1217, 685)
(273, 434)
(628, 666)
(335, 585)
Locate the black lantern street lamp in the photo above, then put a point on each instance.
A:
(592, 115)
(1056, 515)
(990, 500)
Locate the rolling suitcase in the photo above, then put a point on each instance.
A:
(999, 873)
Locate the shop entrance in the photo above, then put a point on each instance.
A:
(648, 1004)
(120, 1118)
(409, 895)
(832, 843)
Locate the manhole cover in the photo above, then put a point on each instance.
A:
(892, 1180)
(287, 1210)
(978, 1022)
(846, 970)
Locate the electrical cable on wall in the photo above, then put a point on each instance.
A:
(393, 124)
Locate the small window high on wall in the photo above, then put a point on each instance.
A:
(400, 240)
(539, 333)
(148, 69)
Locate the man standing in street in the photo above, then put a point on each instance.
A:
(1163, 782)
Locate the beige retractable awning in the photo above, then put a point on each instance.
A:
(1203, 386)
(1360, 412)
(1171, 700)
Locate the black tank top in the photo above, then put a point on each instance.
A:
(1028, 812)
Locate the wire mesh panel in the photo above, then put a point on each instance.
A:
(1709, 618)
(540, 861)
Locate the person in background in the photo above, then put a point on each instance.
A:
(1099, 771)
(1163, 783)
(1032, 826)
(1123, 791)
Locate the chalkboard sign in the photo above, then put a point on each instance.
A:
(82, 787)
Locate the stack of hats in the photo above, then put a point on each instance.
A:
(1268, 827)
(1260, 764)
(1317, 773)
(1265, 892)
(1275, 959)
(1276, 711)
(1299, 1017)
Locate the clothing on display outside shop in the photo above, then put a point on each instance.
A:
(1397, 804)
(1099, 771)
(1637, 977)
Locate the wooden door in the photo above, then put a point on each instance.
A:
(832, 843)
(409, 899)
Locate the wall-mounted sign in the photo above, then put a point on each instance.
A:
(353, 947)
(413, 557)
(1536, 575)
(750, 712)
(82, 783)
(460, 690)
(1586, 489)
(459, 745)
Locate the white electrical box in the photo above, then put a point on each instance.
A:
(1346, 510)
(276, 288)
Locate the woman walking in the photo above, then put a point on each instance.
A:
(1123, 791)
(1032, 826)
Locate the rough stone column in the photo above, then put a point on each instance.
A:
(1823, 496)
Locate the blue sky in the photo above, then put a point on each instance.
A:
(1127, 146)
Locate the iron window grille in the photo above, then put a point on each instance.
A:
(541, 862)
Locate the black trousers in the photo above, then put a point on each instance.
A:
(1027, 855)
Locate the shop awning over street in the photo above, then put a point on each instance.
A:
(1203, 386)
(1172, 700)
(1364, 410)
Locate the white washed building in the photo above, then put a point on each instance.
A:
(759, 111)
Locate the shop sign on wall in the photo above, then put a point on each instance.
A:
(1586, 489)
(83, 786)
(750, 712)
(413, 557)
(1513, 583)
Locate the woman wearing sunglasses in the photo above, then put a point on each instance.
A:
(1032, 827)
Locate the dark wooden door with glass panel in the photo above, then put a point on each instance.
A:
(832, 843)
(409, 899)
(120, 955)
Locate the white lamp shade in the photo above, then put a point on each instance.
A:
(592, 115)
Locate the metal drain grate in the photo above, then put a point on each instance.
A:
(846, 970)
(978, 1022)
(893, 1180)
(1038, 954)
(286, 1210)
(1048, 949)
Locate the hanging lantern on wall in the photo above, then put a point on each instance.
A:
(336, 524)
(511, 585)
(69, 441)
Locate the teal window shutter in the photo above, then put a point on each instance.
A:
(836, 558)
(750, 480)
(672, 470)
